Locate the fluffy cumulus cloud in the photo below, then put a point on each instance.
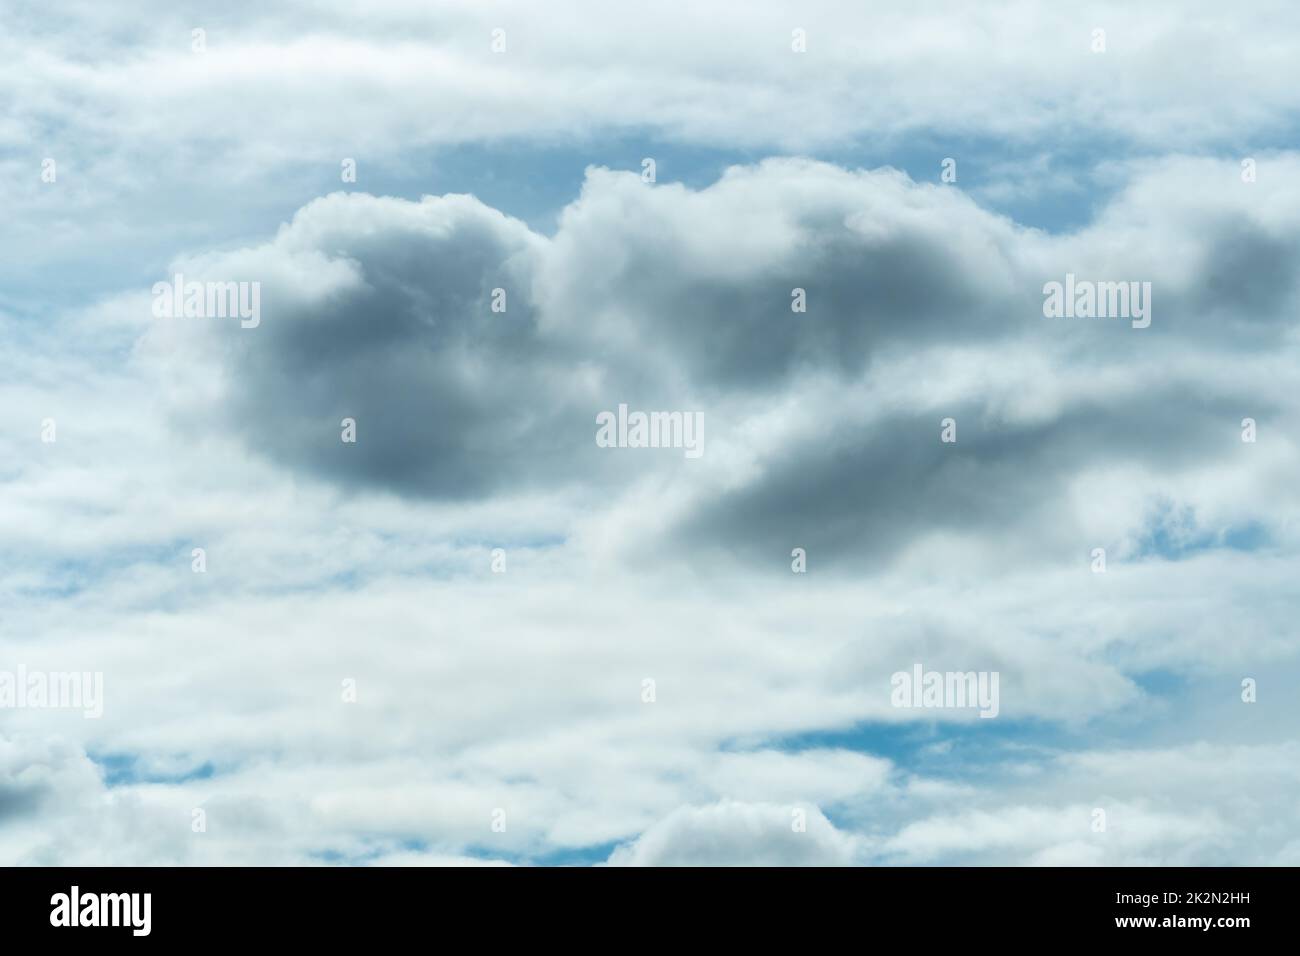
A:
(476, 355)
(477, 636)
(739, 835)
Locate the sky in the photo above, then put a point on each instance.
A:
(477, 634)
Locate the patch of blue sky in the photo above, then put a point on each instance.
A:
(562, 856)
(565, 856)
(1160, 682)
(963, 750)
(377, 851)
(980, 749)
(1173, 533)
(125, 769)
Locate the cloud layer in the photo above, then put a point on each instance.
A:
(476, 636)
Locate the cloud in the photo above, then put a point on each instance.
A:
(522, 691)
(383, 313)
(416, 74)
(738, 834)
(1178, 805)
(214, 145)
(823, 427)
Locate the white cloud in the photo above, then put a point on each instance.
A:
(522, 691)
(739, 834)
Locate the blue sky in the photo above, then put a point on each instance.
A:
(355, 677)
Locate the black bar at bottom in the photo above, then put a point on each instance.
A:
(981, 906)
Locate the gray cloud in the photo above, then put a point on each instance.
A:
(451, 399)
(664, 298)
(735, 834)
